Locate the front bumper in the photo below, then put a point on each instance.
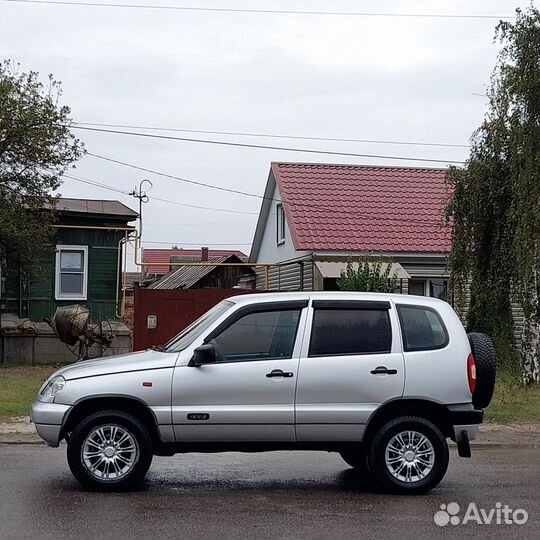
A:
(49, 419)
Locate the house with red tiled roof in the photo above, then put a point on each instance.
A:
(315, 217)
(159, 262)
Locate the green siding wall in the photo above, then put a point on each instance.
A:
(38, 301)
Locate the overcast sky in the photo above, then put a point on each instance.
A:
(399, 79)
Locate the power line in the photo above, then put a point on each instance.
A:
(275, 136)
(153, 197)
(248, 194)
(104, 186)
(178, 178)
(96, 184)
(266, 147)
(263, 11)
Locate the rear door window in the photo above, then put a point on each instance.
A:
(422, 328)
(340, 332)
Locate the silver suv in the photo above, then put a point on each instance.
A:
(382, 379)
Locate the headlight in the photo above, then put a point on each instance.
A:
(50, 390)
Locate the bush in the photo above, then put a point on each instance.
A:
(369, 276)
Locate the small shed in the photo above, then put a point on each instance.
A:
(158, 262)
(207, 274)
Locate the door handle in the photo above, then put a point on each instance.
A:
(383, 370)
(279, 373)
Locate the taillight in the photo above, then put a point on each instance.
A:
(471, 373)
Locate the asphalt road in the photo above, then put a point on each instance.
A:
(274, 495)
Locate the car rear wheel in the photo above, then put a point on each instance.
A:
(110, 451)
(408, 455)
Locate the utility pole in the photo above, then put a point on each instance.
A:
(143, 197)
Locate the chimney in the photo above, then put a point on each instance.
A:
(204, 254)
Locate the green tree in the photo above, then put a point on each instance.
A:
(496, 202)
(370, 275)
(36, 148)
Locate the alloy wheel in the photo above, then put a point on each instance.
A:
(409, 456)
(109, 453)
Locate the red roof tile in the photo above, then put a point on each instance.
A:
(359, 208)
(191, 255)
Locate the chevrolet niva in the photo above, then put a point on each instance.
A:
(383, 379)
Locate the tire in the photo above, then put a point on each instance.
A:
(382, 459)
(110, 450)
(486, 369)
(356, 458)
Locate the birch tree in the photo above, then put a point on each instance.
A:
(496, 202)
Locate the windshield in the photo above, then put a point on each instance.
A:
(189, 334)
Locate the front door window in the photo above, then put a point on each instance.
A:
(264, 335)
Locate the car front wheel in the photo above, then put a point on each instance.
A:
(408, 455)
(110, 451)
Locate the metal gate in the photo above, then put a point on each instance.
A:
(161, 314)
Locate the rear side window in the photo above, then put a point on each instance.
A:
(422, 328)
(350, 331)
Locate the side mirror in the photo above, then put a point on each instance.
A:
(205, 354)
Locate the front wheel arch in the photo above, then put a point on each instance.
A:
(124, 404)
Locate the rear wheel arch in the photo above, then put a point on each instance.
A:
(436, 413)
(129, 405)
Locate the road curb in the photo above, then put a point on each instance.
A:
(474, 445)
(490, 436)
(4, 442)
(20, 438)
(488, 445)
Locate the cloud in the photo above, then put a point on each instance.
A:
(397, 79)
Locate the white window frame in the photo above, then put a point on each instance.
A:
(71, 296)
(280, 224)
(427, 283)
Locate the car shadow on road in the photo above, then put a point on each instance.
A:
(346, 481)
(354, 481)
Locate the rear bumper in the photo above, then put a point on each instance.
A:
(49, 419)
(470, 430)
(465, 419)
